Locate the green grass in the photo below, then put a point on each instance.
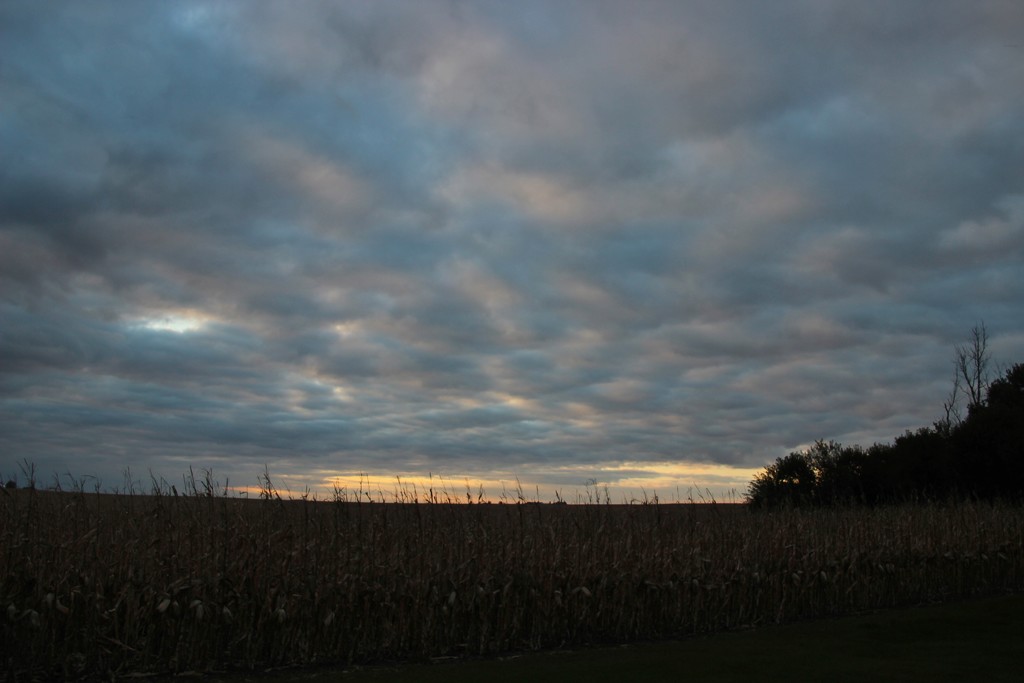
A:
(968, 641)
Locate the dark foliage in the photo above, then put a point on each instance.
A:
(990, 442)
(981, 456)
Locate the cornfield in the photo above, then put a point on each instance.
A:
(110, 584)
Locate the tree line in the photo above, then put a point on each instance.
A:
(975, 450)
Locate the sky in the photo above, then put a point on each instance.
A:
(643, 248)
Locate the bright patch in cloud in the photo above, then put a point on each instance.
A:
(179, 323)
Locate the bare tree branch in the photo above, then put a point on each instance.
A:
(972, 360)
(953, 416)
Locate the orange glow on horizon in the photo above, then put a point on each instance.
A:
(622, 482)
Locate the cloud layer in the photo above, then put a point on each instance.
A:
(656, 242)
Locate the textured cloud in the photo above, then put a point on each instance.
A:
(648, 245)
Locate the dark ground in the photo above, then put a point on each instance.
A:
(967, 641)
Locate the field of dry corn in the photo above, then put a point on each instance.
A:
(101, 585)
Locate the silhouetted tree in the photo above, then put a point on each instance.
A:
(979, 454)
(837, 471)
(789, 480)
(878, 480)
(970, 378)
(824, 474)
(922, 464)
(989, 443)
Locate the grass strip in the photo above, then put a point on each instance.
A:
(976, 640)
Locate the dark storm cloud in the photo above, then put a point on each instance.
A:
(555, 239)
